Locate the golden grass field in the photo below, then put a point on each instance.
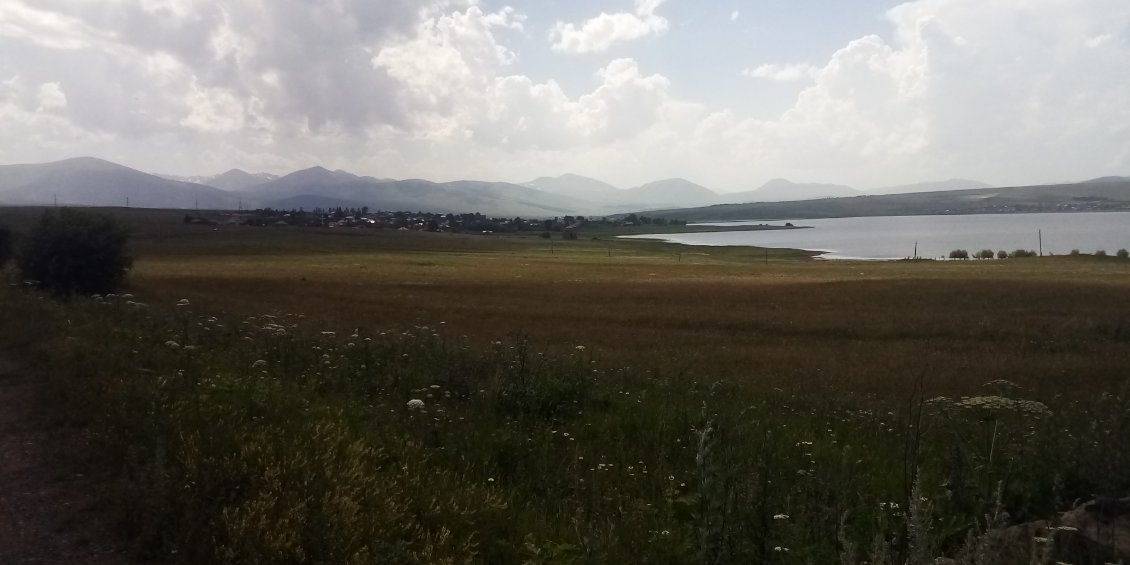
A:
(1060, 325)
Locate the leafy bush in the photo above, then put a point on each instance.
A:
(1100, 253)
(1022, 253)
(1074, 253)
(1122, 253)
(72, 251)
(1002, 254)
(959, 254)
(5, 245)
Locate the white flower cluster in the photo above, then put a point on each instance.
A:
(1002, 404)
(992, 405)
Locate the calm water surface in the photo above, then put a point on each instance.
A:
(894, 237)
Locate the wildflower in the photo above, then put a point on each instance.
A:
(329, 334)
(182, 302)
(415, 404)
(258, 363)
(580, 348)
(780, 549)
(780, 516)
(172, 344)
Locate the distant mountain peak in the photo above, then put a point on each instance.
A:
(781, 189)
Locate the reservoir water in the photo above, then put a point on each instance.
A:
(894, 237)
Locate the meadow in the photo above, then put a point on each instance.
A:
(281, 395)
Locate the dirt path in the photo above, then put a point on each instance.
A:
(48, 510)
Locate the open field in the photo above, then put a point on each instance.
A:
(705, 392)
(723, 312)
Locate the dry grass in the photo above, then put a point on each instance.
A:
(862, 326)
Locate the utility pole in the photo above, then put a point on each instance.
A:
(915, 250)
(1040, 235)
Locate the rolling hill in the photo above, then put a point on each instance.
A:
(935, 186)
(1084, 196)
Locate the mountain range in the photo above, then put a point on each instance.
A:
(93, 182)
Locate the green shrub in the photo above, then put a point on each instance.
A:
(75, 252)
(1100, 253)
(1022, 253)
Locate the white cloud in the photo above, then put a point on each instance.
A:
(51, 97)
(1098, 40)
(602, 32)
(452, 76)
(734, 16)
(213, 110)
(1007, 92)
(782, 72)
(1010, 91)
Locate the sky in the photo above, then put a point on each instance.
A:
(869, 93)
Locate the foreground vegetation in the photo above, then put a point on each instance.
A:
(327, 398)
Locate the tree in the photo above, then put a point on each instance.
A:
(5, 245)
(959, 254)
(75, 252)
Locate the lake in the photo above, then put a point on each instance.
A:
(894, 237)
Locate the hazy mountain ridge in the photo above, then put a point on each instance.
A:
(95, 182)
(86, 181)
(783, 189)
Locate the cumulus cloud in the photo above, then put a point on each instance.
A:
(790, 72)
(453, 77)
(604, 31)
(1011, 91)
